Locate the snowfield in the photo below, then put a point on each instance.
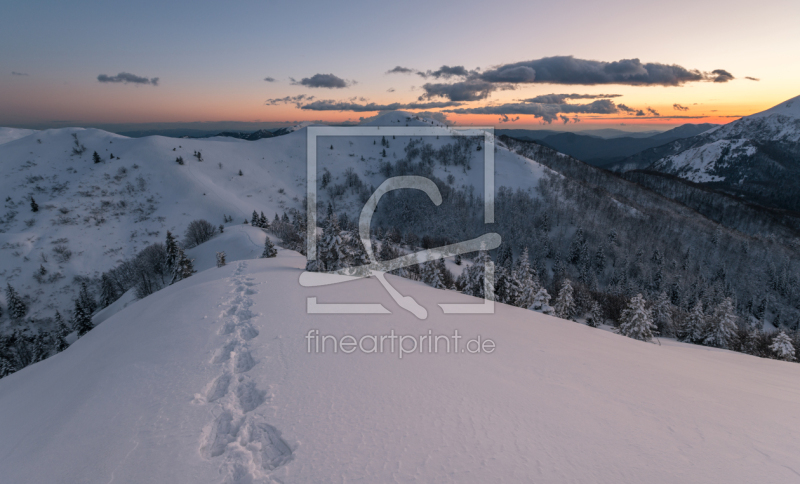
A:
(102, 213)
(210, 380)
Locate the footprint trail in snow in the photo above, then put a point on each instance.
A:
(247, 447)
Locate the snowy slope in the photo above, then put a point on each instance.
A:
(10, 134)
(210, 381)
(754, 147)
(103, 213)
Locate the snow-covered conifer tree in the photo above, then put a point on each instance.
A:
(183, 268)
(86, 300)
(62, 330)
(721, 330)
(636, 321)
(16, 306)
(662, 313)
(696, 324)
(221, 259)
(782, 347)
(255, 221)
(525, 281)
(330, 255)
(81, 322)
(541, 302)
(595, 318)
(565, 301)
(269, 250)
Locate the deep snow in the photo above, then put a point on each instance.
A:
(209, 380)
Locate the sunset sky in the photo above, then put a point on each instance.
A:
(60, 62)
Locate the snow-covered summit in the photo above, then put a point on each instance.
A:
(790, 107)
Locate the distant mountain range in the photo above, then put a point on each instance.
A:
(756, 158)
(591, 148)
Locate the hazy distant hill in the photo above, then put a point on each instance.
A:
(599, 151)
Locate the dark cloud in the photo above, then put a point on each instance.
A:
(127, 78)
(678, 107)
(296, 100)
(752, 78)
(330, 105)
(469, 90)
(561, 98)
(505, 119)
(722, 75)
(548, 112)
(569, 70)
(328, 81)
(562, 70)
(625, 108)
(14, 73)
(401, 70)
(269, 79)
(391, 89)
(446, 72)
(652, 111)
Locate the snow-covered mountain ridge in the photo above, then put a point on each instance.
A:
(210, 380)
(755, 157)
(92, 215)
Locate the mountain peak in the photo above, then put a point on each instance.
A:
(790, 107)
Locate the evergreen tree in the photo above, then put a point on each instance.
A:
(457, 259)
(62, 331)
(356, 256)
(86, 300)
(595, 318)
(330, 255)
(505, 258)
(34, 205)
(173, 251)
(221, 259)
(473, 278)
(502, 283)
(269, 250)
(263, 222)
(695, 326)
(16, 306)
(81, 322)
(721, 331)
(184, 268)
(6, 368)
(96, 158)
(565, 301)
(255, 220)
(636, 321)
(524, 280)
(39, 351)
(387, 250)
(662, 313)
(782, 347)
(541, 302)
(599, 260)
